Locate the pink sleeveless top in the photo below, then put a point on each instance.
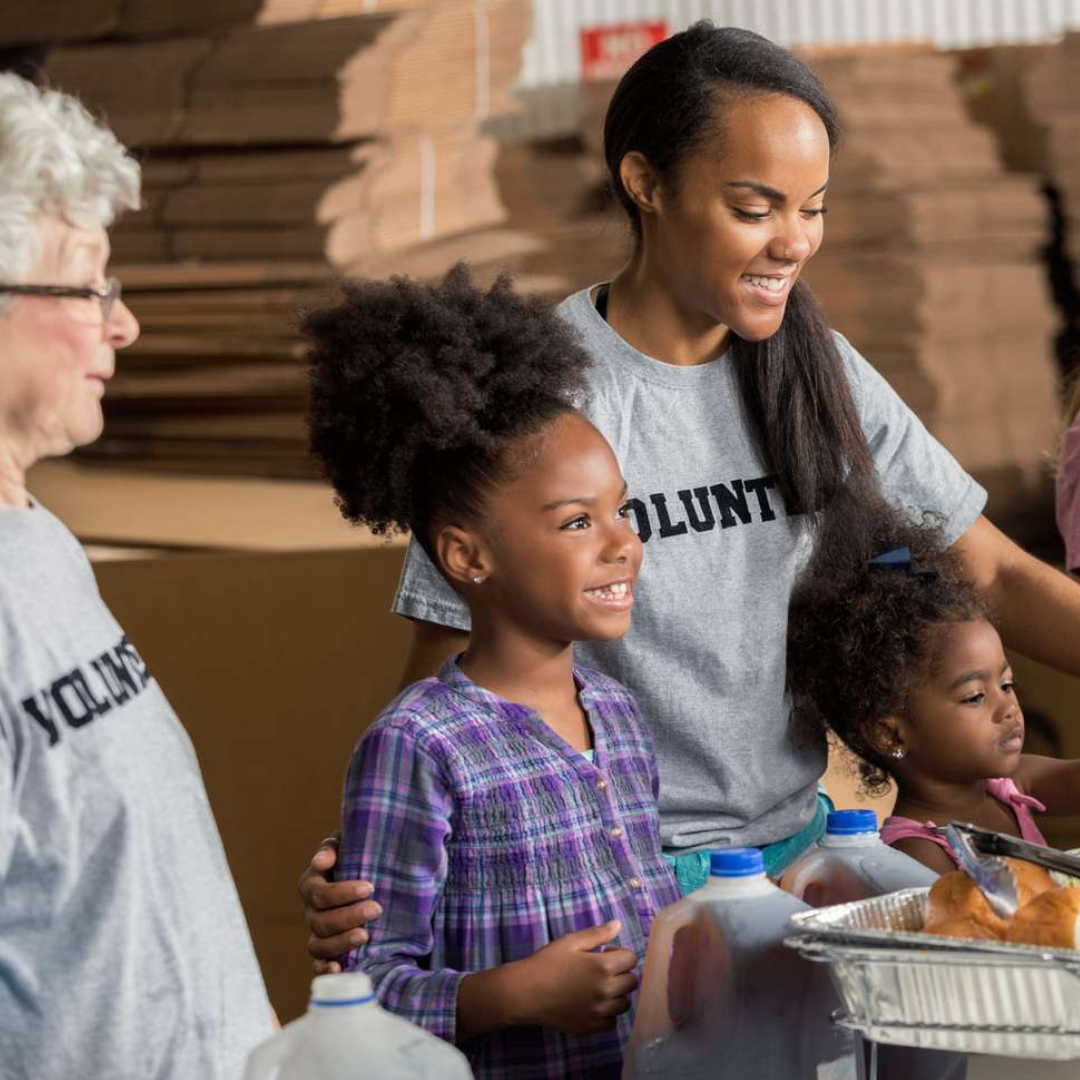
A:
(902, 828)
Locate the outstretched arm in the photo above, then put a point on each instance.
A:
(1055, 783)
(1038, 607)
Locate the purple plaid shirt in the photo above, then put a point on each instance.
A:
(487, 837)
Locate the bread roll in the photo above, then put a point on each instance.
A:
(1050, 920)
(955, 896)
(1031, 880)
(963, 928)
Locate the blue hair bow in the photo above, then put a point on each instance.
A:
(899, 558)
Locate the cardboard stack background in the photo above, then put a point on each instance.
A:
(283, 143)
(381, 110)
(932, 266)
(1053, 100)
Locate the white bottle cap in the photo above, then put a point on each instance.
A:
(334, 991)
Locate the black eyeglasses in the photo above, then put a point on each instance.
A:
(106, 296)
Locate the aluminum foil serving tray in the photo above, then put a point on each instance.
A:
(899, 985)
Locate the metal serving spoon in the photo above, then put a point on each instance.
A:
(993, 877)
(986, 842)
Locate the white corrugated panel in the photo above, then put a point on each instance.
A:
(553, 53)
(552, 59)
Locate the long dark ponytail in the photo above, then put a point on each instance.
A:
(793, 385)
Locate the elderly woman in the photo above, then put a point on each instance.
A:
(123, 947)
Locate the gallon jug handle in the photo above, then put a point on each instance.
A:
(266, 1057)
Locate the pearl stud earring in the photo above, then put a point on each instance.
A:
(478, 579)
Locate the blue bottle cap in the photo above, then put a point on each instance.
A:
(736, 862)
(851, 822)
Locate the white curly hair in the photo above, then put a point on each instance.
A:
(55, 159)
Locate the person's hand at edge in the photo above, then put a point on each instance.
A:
(336, 911)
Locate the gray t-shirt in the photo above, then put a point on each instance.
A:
(706, 652)
(123, 948)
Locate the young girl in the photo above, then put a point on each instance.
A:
(894, 649)
(1068, 483)
(505, 810)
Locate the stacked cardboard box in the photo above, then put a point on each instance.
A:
(282, 142)
(349, 205)
(346, 138)
(931, 264)
(593, 102)
(1053, 99)
(29, 22)
(1024, 94)
(994, 82)
(214, 384)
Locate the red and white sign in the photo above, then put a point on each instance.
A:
(607, 51)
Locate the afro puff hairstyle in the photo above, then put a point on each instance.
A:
(419, 390)
(862, 636)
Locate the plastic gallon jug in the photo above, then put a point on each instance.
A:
(721, 996)
(347, 1035)
(851, 863)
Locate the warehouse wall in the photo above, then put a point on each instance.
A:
(552, 60)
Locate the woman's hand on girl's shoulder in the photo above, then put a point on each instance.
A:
(336, 911)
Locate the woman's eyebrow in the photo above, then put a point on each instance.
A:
(768, 192)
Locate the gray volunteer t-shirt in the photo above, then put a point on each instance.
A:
(705, 654)
(123, 948)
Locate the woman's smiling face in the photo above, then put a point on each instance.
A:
(745, 214)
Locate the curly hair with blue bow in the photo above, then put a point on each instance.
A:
(866, 619)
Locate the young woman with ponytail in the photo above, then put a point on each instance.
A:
(736, 414)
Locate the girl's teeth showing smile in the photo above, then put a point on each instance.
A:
(617, 595)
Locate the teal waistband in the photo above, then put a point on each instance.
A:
(692, 869)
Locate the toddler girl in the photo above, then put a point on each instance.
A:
(506, 810)
(891, 648)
